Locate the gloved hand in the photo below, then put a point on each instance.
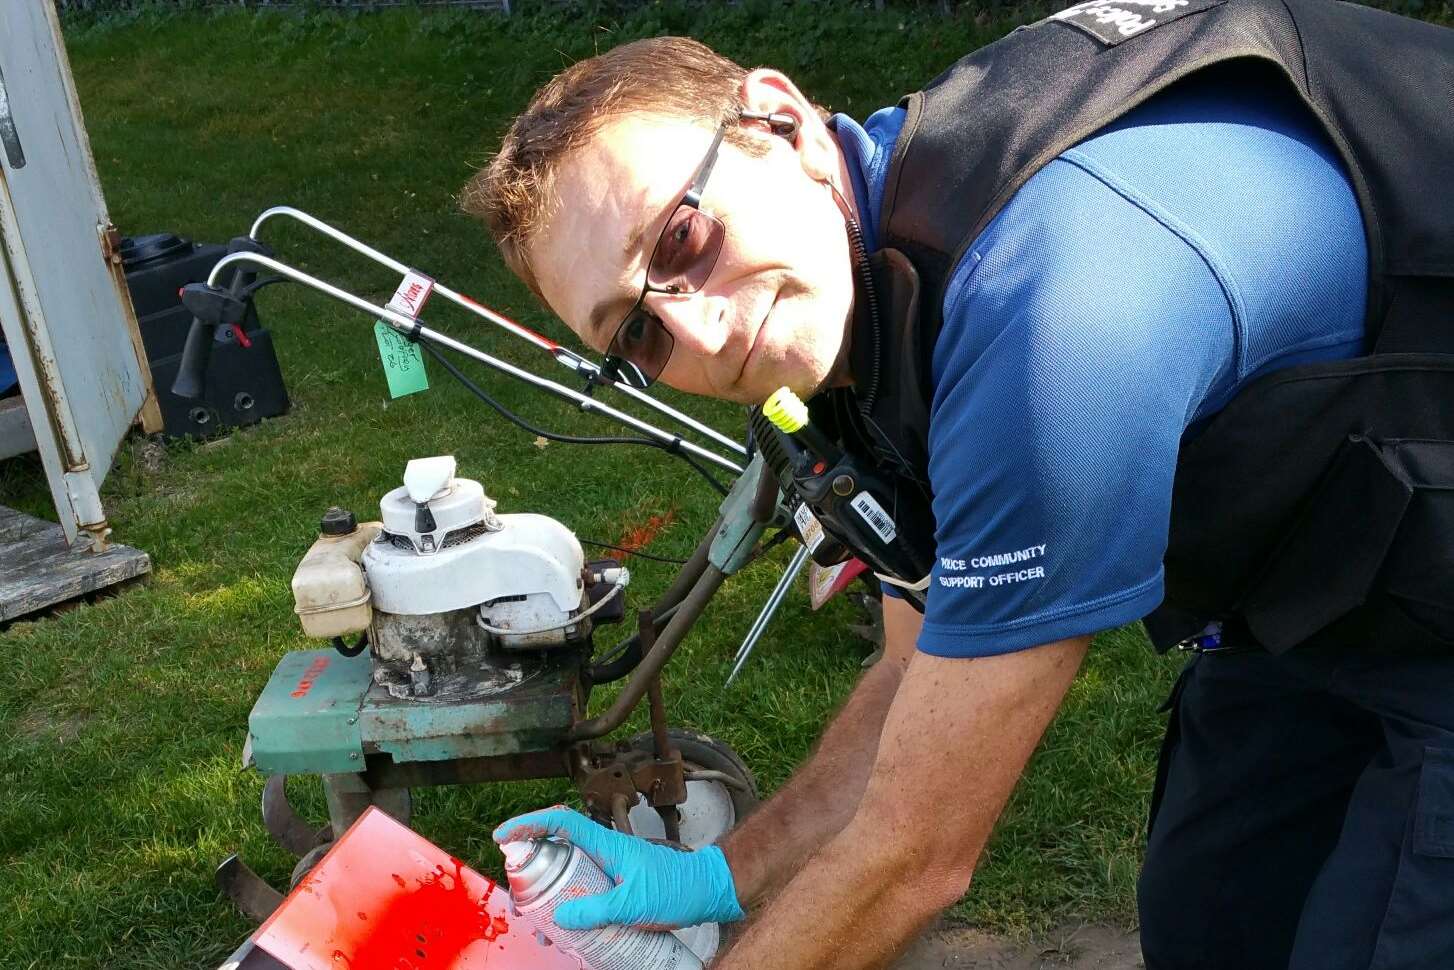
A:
(657, 886)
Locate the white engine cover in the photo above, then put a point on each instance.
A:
(529, 554)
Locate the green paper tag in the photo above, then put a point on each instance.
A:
(403, 361)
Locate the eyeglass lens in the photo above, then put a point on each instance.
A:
(687, 251)
(685, 255)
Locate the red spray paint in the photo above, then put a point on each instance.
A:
(386, 899)
(639, 536)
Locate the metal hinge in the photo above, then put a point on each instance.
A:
(110, 243)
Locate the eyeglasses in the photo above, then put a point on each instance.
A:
(685, 254)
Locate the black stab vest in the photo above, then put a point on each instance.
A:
(1321, 499)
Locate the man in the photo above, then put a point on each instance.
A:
(1113, 223)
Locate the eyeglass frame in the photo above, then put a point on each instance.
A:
(616, 367)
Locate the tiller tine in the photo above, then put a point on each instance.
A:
(253, 897)
(286, 828)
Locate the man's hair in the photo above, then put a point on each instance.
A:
(666, 76)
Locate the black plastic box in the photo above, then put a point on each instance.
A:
(244, 384)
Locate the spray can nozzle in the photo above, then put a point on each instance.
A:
(517, 854)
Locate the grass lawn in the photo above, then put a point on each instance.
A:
(122, 722)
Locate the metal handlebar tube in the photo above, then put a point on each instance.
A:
(592, 372)
(729, 544)
(585, 402)
(687, 577)
(651, 665)
(563, 355)
(759, 626)
(666, 756)
(627, 654)
(749, 509)
(721, 777)
(417, 331)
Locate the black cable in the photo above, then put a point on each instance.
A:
(568, 439)
(701, 469)
(251, 290)
(520, 422)
(865, 275)
(620, 649)
(632, 552)
(358, 647)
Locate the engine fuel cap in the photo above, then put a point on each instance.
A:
(338, 522)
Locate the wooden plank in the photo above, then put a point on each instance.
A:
(12, 524)
(39, 570)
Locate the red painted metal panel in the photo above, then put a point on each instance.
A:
(384, 898)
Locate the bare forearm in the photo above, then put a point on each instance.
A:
(853, 907)
(774, 842)
(958, 734)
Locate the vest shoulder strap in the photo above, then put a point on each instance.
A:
(977, 133)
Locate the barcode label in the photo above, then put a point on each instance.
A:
(871, 512)
(808, 527)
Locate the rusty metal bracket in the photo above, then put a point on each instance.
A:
(150, 415)
(600, 783)
(110, 243)
(662, 781)
(632, 774)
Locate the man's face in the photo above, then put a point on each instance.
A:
(775, 309)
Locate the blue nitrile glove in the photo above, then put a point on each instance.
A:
(657, 886)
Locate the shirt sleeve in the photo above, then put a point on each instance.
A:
(1081, 330)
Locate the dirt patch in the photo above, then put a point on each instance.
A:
(40, 726)
(150, 454)
(1071, 947)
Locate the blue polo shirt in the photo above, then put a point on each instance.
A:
(1125, 293)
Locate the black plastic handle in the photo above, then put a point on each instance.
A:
(212, 307)
(192, 372)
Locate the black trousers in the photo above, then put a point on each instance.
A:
(1303, 817)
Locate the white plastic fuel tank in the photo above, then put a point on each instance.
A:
(330, 594)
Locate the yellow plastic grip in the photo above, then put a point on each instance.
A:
(785, 411)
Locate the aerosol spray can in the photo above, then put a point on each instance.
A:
(546, 872)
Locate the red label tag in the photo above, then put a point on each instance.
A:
(412, 294)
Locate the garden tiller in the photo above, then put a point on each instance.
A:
(461, 639)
